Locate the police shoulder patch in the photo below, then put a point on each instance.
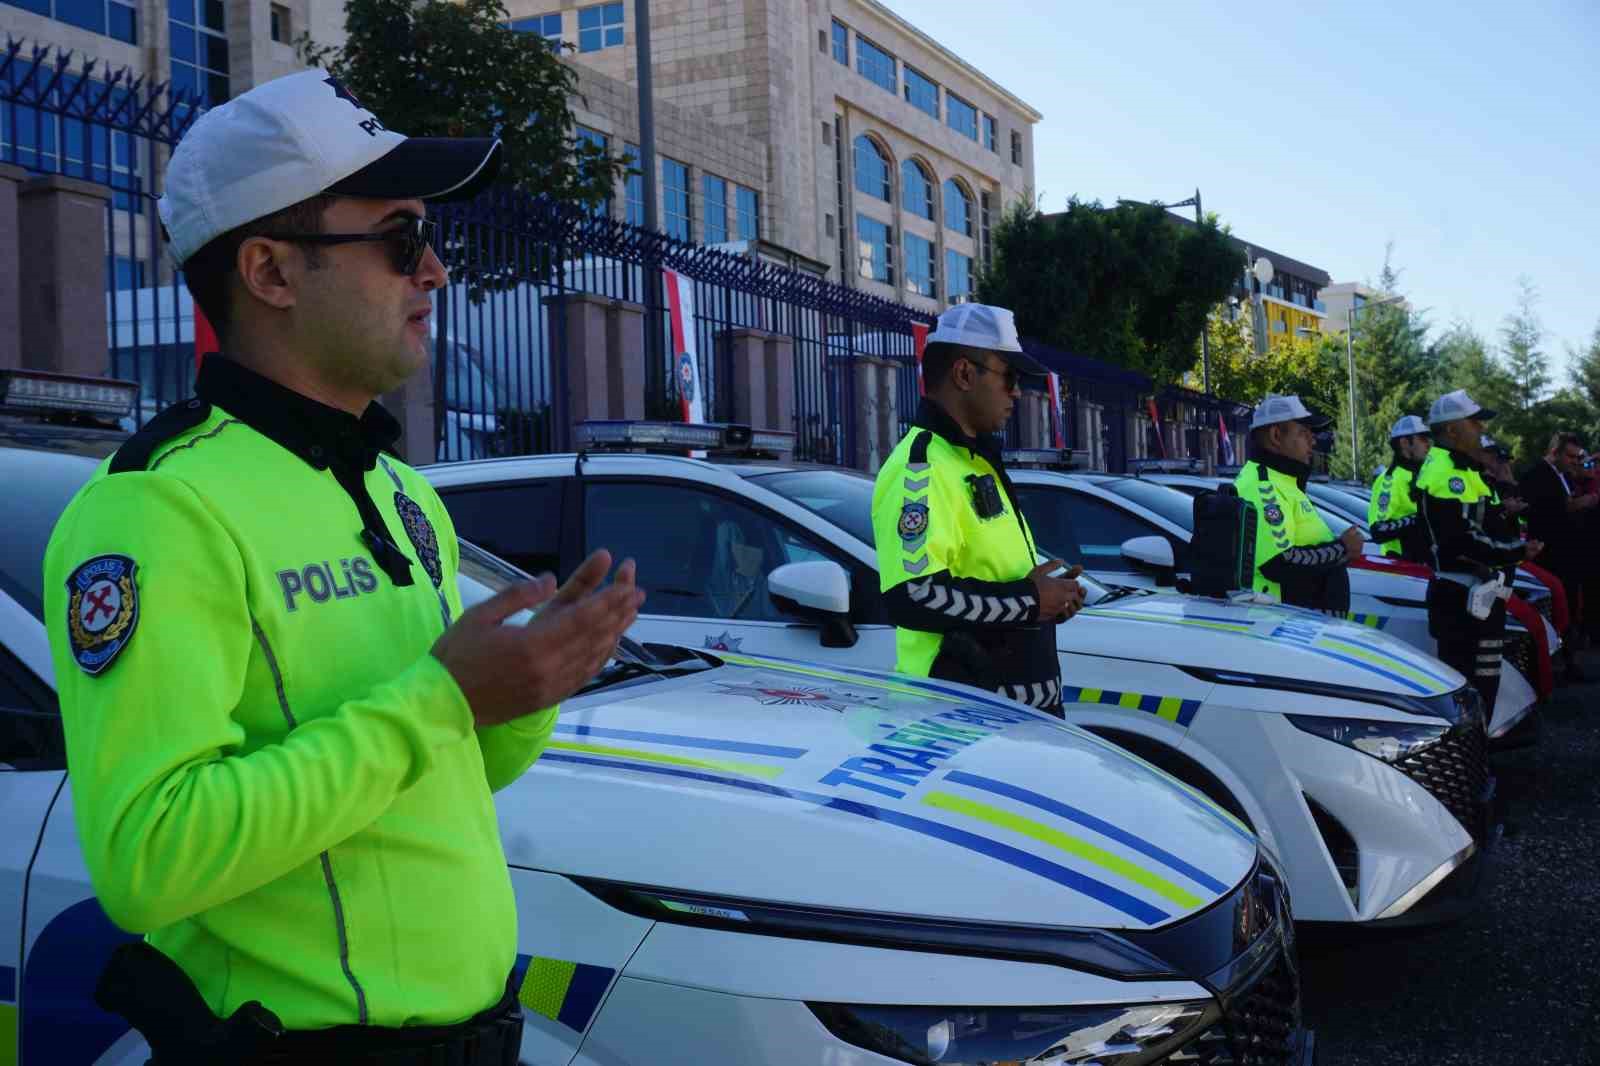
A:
(1457, 485)
(913, 520)
(422, 536)
(1383, 502)
(1273, 514)
(102, 610)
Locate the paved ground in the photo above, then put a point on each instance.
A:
(1517, 982)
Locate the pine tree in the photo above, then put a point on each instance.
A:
(1520, 339)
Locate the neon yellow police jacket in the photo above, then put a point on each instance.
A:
(272, 777)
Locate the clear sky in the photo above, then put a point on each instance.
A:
(1466, 133)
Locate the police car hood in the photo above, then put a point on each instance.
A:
(767, 780)
(1269, 640)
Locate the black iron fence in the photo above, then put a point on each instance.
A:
(502, 367)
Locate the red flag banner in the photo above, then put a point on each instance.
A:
(1224, 441)
(205, 338)
(919, 338)
(1058, 413)
(1155, 420)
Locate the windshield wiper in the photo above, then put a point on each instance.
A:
(629, 665)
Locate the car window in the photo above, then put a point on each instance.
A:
(39, 485)
(30, 720)
(845, 499)
(700, 554)
(520, 523)
(1176, 507)
(1079, 528)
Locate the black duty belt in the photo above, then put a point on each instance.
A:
(492, 1038)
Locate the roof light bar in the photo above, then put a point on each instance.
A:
(36, 391)
(621, 435)
(1047, 458)
(1191, 465)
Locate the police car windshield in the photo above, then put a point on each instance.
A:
(833, 495)
(1176, 507)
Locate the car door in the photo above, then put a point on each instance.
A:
(1085, 529)
(704, 557)
(519, 521)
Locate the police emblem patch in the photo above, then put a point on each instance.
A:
(420, 530)
(102, 610)
(1457, 485)
(1274, 514)
(686, 375)
(913, 520)
(1383, 502)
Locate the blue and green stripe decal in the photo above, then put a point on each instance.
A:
(1371, 621)
(1172, 708)
(563, 991)
(8, 1015)
(1110, 895)
(679, 740)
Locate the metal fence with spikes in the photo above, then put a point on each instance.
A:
(68, 115)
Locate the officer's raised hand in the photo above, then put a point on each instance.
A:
(1352, 540)
(1059, 597)
(506, 672)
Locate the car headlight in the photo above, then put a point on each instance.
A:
(1388, 741)
(1057, 1036)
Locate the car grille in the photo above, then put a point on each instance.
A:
(1519, 651)
(1455, 771)
(1261, 1027)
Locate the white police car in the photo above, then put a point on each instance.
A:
(1393, 602)
(1358, 760)
(722, 858)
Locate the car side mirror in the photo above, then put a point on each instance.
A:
(1152, 554)
(817, 592)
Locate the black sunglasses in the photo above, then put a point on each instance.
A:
(407, 244)
(1013, 378)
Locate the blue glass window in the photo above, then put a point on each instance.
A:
(876, 65)
(599, 27)
(841, 43)
(957, 208)
(714, 192)
(633, 195)
(546, 26)
(602, 142)
(920, 265)
(874, 249)
(916, 189)
(114, 18)
(749, 203)
(199, 50)
(675, 181)
(988, 133)
(922, 92)
(872, 169)
(962, 116)
(957, 277)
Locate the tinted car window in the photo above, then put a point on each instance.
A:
(840, 498)
(520, 523)
(38, 487)
(700, 554)
(1079, 528)
(30, 720)
(1176, 507)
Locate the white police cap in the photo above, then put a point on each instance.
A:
(1408, 426)
(1453, 406)
(990, 328)
(296, 137)
(1275, 409)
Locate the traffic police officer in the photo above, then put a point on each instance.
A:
(956, 560)
(1298, 559)
(1392, 511)
(1464, 550)
(282, 729)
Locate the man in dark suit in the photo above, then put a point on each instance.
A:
(1557, 512)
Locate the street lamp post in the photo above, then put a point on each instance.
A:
(1350, 367)
(1205, 341)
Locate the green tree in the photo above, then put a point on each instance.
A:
(441, 68)
(1391, 350)
(1520, 338)
(1586, 382)
(1126, 284)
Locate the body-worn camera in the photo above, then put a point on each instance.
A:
(986, 499)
